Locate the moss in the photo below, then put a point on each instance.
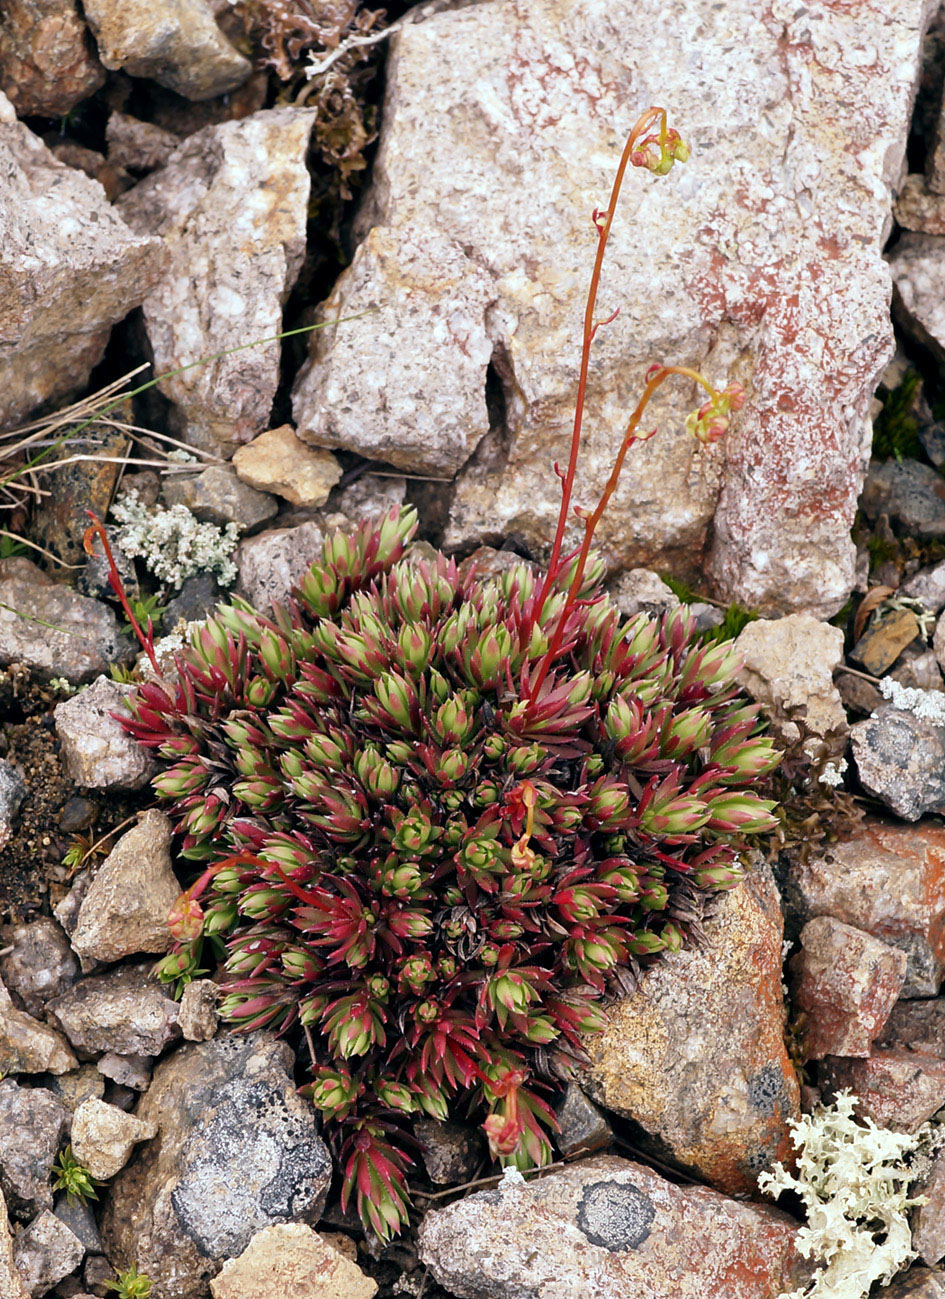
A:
(896, 430)
(734, 621)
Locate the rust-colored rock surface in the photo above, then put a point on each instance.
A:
(48, 62)
(696, 1055)
(845, 983)
(889, 880)
(896, 1089)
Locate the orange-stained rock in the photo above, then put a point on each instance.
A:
(895, 1088)
(696, 1055)
(845, 982)
(606, 1228)
(889, 880)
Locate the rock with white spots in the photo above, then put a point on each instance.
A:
(231, 206)
(758, 260)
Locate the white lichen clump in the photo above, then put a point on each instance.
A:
(832, 773)
(927, 705)
(173, 544)
(853, 1178)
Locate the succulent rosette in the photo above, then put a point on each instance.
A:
(434, 871)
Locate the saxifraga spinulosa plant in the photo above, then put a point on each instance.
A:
(442, 818)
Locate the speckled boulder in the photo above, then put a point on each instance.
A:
(96, 751)
(606, 1228)
(126, 1011)
(696, 1055)
(238, 1151)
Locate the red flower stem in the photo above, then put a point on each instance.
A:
(114, 577)
(567, 488)
(656, 380)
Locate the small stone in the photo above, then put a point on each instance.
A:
(291, 1259)
(97, 752)
(174, 42)
(611, 1229)
(367, 497)
(12, 792)
(788, 669)
(639, 590)
(78, 814)
(177, 1209)
(918, 271)
(27, 1046)
(125, 1010)
(276, 461)
(32, 1121)
(928, 585)
(845, 982)
(916, 1026)
(113, 180)
(58, 633)
(231, 206)
(272, 563)
(928, 1220)
(78, 1085)
(896, 1089)
(909, 492)
(451, 1153)
(695, 1056)
(218, 495)
(198, 1010)
(11, 1283)
(919, 208)
(139, 146)
(40, 963)
(886, 879)
(126, 908)
(97, 1275)
(46, 1252)
(103, 1137)
(900, 759)
(584, 1128)
(938, 640)
(47, 61)
(95, 578)
(880, 646)
(196, 600)
(858, 696)
(80, 1220)
(131, 1071)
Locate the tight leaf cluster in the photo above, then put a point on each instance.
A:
(434, 866)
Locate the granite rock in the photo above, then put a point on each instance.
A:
(762, 262)
(55, 631)
(32, 1121)
(27, 1046)
(231, 206)
(788, 668)
(124, 1010)
(174, 42)
(45, 1252)
(218, 495)
(606, 1228)
(845, 983)
(126, 908)
(272, 563)
(69, 269)
(104, 1136)
(97, 752)
(176, 1208)
(291, 1259)
(38, 962)
(900, 759)
(896, 1089)
(696, 1057)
